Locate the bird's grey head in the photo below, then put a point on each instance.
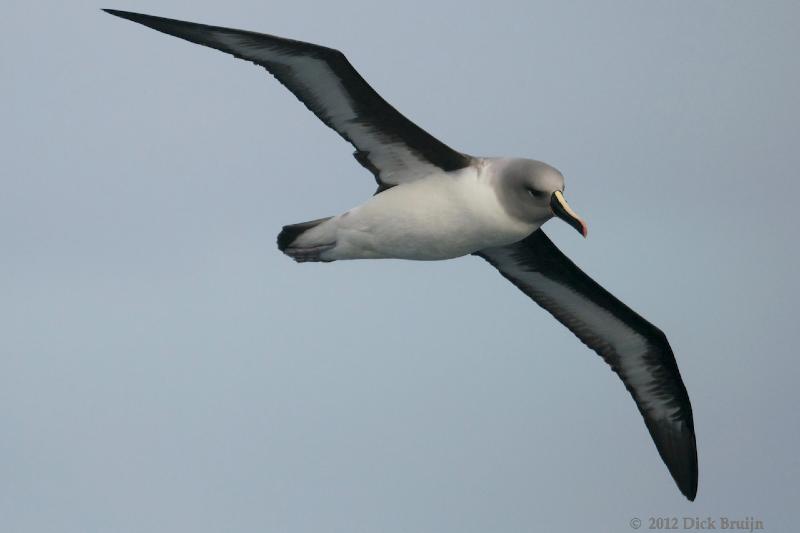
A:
(534, 192)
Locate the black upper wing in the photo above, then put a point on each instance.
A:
(392, 147)
(634, 348)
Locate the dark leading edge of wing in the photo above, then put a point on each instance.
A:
(389, 145)
(634, 348)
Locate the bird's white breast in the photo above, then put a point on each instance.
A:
(440, 217)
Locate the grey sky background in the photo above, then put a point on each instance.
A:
(164, 368)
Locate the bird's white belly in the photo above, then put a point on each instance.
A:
(440, 217)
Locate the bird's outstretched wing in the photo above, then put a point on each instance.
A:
(389, 145)
(634, 348)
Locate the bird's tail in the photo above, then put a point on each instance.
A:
(307, 241)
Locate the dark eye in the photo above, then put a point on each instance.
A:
(535, 193)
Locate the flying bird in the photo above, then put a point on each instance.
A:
(433, 203)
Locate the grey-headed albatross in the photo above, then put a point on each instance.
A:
(435, 203)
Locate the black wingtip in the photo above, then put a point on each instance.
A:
(677, 446)
(688, 485)
(689, 490)
(682, 464)
(147, 20)
(123, 14)
(130, 15)
(157, 23)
